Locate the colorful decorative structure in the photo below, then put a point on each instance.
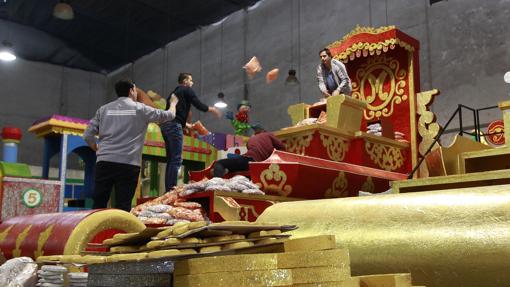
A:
(217, 140)
(63, 233)
(63, 135)
(11, 137)
(383, 64)
(495, 133)
(234, 206)
(288, 174)
(241, 121)
(194, 149)
(505, 109)
(20, 194)
(196, 154)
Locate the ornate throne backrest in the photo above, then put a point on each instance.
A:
(384, 69)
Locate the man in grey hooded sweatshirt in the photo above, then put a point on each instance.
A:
(332, 76)
(121, 126)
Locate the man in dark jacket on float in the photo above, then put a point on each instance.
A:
(172, 130)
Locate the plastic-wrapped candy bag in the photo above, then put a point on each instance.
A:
(272, 75)
(18, 272)
(253, 191)
(158, 208)
(252, 67)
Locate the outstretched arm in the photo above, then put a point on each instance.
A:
(159, 116)
(215, 112)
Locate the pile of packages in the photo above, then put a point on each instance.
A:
(169, 208)
(182, 239)
(376, 129)
(237, 183)
(54, 276)
(322, 119)
(172, 207)
(193, 238)
(22, 272)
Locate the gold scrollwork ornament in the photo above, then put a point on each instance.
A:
(338, 188)
(384, 156)
(336, 146)
(278, 177)
(250, 208)
(428, 128)
(298, 144)
(385, 81)
(368, 186)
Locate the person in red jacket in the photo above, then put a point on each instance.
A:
(260, 147)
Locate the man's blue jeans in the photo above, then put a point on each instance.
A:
(172, 134)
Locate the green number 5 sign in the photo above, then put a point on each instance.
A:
(31, 198)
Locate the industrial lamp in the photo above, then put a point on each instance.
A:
(221, 101)
(63, 11)
(6, 52)
(291, 78)
(506, 77)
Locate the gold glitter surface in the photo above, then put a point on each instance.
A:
(279, 277)
(453, 238)
(320, 242)
(349, 282)
(325, 258)
(226, 263)
(319, 274)
(386, 280)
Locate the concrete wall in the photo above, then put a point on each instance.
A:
(32, 90)
(463, 53)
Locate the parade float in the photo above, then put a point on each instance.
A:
(449, 230)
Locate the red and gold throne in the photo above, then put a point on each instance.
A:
(383, 64)
(338, 158)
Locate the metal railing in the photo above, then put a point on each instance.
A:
(476, 133)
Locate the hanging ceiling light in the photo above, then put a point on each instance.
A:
(221, 101)
(6, 52)
(63, 11)
(291, 78)
(506, 77)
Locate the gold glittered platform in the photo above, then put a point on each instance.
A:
(486, 178)
(277, 277)
(386, 280)
(485, 160)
